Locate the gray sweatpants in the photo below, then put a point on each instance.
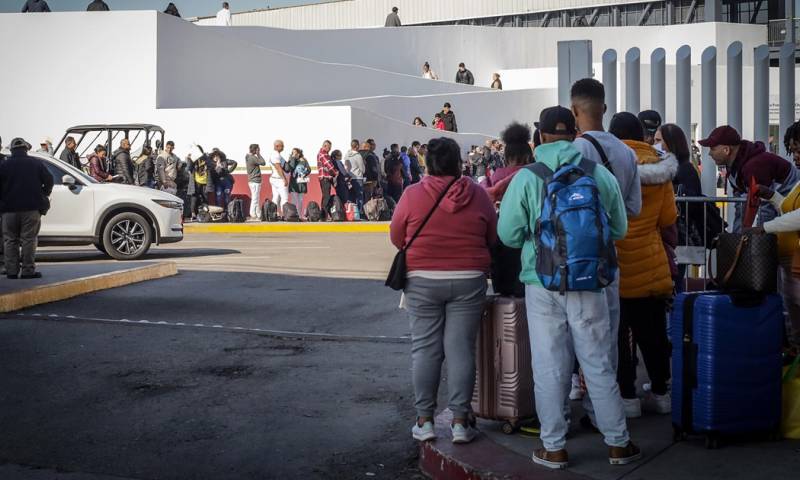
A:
(445, 318)
(20, 232)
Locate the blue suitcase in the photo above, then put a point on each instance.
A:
(726, 365)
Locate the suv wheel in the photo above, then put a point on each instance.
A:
(127, 236)
(101, 247)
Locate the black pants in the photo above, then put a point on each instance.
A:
(643, 322)
(198, 199)
(341, 189)
(325, 184)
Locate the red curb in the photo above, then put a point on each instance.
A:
(480, 460)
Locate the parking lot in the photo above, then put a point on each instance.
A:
(268, 356)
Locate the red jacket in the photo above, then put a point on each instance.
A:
(325, 167)
(754, 162)
(458, 235)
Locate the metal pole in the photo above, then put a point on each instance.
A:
(735, 85)
(610, 84)
(632, 80)
(713, 11)
(761, 94)
(791, 36)
(683, 90)
(786, 89)
(708, 103)
(658, 82)
(563, 73)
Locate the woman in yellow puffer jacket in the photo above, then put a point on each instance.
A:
(645, 278)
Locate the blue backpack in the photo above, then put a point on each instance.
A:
(574, 249)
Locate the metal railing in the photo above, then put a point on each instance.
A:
(776, 31)
(697, 232)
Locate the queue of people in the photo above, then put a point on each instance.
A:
(41, 6)
(639, 169)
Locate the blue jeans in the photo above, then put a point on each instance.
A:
(223, 193)
(562, 327)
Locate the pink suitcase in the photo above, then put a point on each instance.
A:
(504, 380)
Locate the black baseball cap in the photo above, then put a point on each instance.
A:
(551, 117)
(651, 120)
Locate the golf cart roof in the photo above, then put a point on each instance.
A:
(115, 126)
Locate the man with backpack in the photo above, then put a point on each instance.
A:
(576, 211)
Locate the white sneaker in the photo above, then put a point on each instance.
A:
(423, 433)
(577, 392)
(462, 433)
(633, 407)
(661, 404)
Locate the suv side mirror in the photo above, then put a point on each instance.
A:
(68, 180)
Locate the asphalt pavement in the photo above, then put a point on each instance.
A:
(268, 356)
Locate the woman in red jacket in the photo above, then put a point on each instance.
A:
(446, 287)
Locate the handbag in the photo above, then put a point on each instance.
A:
(396, 280)
(747, 262)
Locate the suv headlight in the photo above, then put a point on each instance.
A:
(170, 204)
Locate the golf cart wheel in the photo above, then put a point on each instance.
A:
(127, 236)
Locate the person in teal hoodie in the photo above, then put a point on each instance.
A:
(576, 323)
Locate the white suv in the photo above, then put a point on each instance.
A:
(120, 220)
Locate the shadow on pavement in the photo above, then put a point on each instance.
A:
(60, 256)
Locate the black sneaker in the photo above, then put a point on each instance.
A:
(31, 276)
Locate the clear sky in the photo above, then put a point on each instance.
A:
(188, 8)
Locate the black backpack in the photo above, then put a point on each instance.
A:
(290, 213)
(236, 211)
(337, 210)
(270, 211)
(313, 212)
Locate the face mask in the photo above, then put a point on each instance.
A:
(659, 147)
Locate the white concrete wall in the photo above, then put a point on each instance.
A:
(372, 13)
(486, 50)
(65, 69)
(214, 67)
(485, 113)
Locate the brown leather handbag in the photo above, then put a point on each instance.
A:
(747, 262)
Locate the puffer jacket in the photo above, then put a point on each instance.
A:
(121, 159)
(643, 263)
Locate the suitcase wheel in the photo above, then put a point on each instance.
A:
(510, 427)
(712, 442)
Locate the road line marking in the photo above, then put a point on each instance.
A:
(237, 329)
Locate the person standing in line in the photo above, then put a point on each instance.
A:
(406, 166)
(121, 160)
(35, 6)
(224, 16)
(393, 19)
(342, 177)
(651, 121)
(445, 294)
(428, 73)
(645, 280)
(393, 166)
(167, 169)
(97, 6)
(354, 163)
(588, 105)
(496, 83)
(277, 178)
(448, 118)
(221, 178)
(414, 166)
(254, 162)
(575, 323)
(327, 175)
(300, 172)
(98, 165)
(69, 155)
(25, 188)
(372, 174)
(143, 168)
(464, 76)
(172, 10)
(46, 146)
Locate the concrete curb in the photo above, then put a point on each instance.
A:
(287, 227)
(54, 292)
(482, 459)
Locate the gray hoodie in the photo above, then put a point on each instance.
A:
(355, 163)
